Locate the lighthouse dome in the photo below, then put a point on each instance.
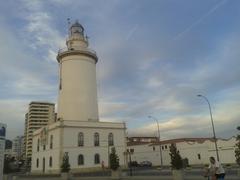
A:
(76, 28)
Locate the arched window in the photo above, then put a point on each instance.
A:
(80, 159)
(38, 144)
(51, 141)
(50, 161)
(110, 139)
(96, 139)
(37, 163)
(96, 159)
(80, 139)
(43, 165)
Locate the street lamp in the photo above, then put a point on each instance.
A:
(160, 149)
(214, 135)
(107, 151)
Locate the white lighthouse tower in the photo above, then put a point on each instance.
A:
(78, 133)
(77, 90)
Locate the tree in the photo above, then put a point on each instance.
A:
(176, 159)
(10, 165)
(114, 160)
(65, 167)
(237, 150)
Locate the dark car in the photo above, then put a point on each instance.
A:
(133, 164)
(145, 164)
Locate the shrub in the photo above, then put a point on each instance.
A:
(176, 159)
(114, 160)
(237, 150)
(65, 167)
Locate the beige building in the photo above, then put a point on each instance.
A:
(39, 115)
(78, 131)
(196, 150)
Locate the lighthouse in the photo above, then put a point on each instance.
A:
(77, 98)
(78, 134)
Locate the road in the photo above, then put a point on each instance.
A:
(153, 171)
(139, 173)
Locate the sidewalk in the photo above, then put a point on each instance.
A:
(127, 178)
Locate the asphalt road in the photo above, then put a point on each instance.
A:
(139, 173)
(153, 171)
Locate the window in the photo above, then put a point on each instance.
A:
(97, 159)
(37, 163)
(81, 159)
(162, 147)
(38, 143)
(51, 141)
(199, 156)
(44, 147)
(110, 139)
(96, 139)
(153, 148)
(165, 146)
(50, 161)
(80, 139)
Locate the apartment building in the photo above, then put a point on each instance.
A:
(18, 147)
(39, 115)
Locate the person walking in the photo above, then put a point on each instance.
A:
(103, 166)
(216, 170)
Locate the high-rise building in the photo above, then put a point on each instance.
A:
(2, 147)
(39, 115)
(18, 147)
(78, 133)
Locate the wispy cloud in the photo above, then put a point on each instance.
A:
(139, 72)
(40, 30)
(201, 19)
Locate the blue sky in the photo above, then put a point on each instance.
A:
(154, 58)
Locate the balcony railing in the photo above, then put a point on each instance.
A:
(87, 50)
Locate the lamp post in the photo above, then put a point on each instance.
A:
(160, 149)
(128, 153)
(213, 129)
(106, 141)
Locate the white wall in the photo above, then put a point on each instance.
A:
(47, 153)
(70, 145)
(147, 152)
(89, 150)
(78, 97)
(190, 150)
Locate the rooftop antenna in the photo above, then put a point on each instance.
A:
(87, 38)
(69, 24)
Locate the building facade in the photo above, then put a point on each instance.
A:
(78, 131)
(2, 147)
(39, 115)
(18, 147)
(196, 150)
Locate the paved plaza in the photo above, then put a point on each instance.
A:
(137, 174)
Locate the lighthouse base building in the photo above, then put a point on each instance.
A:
(87, 144)
(77, 134)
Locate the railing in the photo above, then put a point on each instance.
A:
(87, 50)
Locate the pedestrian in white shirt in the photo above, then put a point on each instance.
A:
(217, 168)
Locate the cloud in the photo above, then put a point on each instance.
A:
(195, 125)
(12, 113)
(40, 30)
(141, 71)
(201, 19)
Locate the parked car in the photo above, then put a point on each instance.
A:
(133, 164)
(145, 164)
